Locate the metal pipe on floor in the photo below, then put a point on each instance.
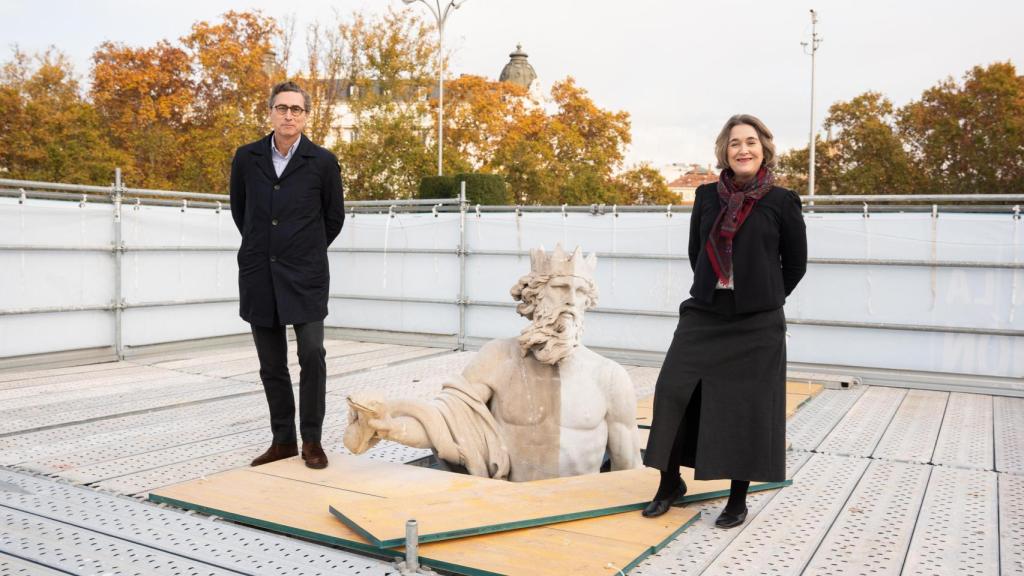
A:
(412, 546)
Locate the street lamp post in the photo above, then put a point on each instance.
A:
(811, 48)
(441, 15)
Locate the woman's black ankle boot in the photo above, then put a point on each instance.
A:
(670, 489)
(735, 512)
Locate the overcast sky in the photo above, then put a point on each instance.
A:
(679, 68)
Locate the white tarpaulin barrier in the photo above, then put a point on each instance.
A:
(902, 291)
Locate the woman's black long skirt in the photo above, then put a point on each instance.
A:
(720, 400)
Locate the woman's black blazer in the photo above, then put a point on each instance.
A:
(769, 250)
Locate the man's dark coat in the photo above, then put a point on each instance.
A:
(287, 223)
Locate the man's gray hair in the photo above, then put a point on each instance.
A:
(290, 87)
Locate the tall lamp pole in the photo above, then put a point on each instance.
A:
(441, 15)
(810, 48)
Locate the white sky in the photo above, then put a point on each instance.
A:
(679, 68)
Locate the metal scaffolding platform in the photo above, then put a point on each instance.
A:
(887, 480)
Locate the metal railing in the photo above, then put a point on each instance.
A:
(119, 196)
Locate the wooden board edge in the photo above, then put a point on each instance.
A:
(539, 521)
(319, 537)
(275, 527)
(457, 568)
(660, 545)
(723, 493)
(509, 526)
(362, 532)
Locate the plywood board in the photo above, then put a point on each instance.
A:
(514, 505)
(367, 476)
(297, 507)
(808, 388)
(794, 401)
(645, 406)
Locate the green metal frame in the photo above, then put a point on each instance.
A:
(657, 547)
(534, 522)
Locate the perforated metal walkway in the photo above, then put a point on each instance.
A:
(887, 481)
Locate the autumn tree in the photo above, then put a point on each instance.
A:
(567, 156)
(47, 130)
(233, 80)
(867, 152)
(643, 185)
(525, 158)
(791, 168)
(180, 110)
(387, 161)
(589, 144)
(969, 138)
(387, 61)
(479, 115)
(144, 96)
(323, 78)
(864, 154)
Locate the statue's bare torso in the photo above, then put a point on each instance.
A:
(558, 420)
(553, 411)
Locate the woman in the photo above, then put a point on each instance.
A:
(720, 400)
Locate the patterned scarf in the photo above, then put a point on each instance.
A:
(736, 206)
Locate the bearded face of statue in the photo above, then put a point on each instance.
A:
(557, 318)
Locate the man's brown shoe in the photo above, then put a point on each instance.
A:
(276, 452)
(314, 455)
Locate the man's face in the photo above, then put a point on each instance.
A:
(557, 325)
(289, 124)
(567, 294)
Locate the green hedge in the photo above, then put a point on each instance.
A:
(438, 187)
(486, 189)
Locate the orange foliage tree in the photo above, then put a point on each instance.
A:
(144, 96)
(47, 130)
(181, 110)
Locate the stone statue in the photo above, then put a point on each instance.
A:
(538, 406)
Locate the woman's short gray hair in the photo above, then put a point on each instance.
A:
(763, 134)
(289, 87)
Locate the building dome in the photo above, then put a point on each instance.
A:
(518, 70)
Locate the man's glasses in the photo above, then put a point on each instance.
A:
(295, 110)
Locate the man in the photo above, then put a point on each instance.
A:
(538, 406)
(286, 199)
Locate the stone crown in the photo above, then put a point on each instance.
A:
(558, 263)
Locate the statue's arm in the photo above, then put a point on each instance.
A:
(406, 422)
(623, 440)
(485, 368)
(413, 422)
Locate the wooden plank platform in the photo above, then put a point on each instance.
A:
(281, 498)
(794, 402)
(501, 506)
(796, 394)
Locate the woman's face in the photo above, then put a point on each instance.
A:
(744, 152)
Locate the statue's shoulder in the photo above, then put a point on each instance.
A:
(606, 367)
(586, 353)
(493, 356)
(499, 347)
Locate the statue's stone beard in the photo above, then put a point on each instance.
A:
(552, 335)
